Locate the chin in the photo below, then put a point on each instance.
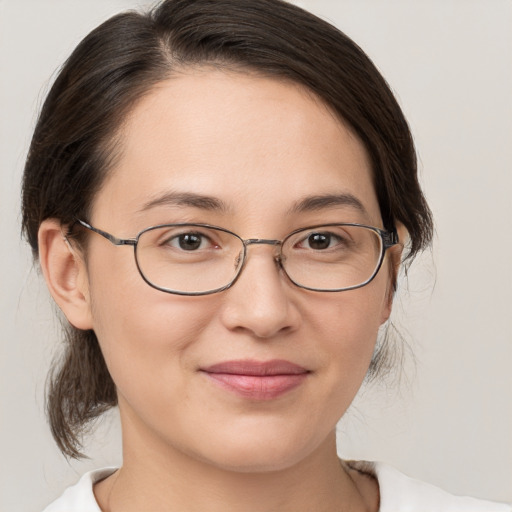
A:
(254, 461)
(259, 452)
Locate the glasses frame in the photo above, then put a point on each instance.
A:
(388, 239)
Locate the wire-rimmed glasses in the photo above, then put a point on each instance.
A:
(199, 259)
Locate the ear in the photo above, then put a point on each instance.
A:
(394, 259)
(65, 273)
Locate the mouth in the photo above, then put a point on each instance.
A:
(257, 380)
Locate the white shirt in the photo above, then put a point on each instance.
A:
(398, 493)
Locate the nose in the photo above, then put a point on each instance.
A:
(261, 301)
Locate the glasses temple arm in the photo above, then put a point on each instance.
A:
(111, 238)
(389, 238)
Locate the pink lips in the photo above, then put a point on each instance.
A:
(257, 380)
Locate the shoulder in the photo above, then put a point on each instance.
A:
(400, 493)
(80, 497)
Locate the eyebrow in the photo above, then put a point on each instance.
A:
(323, 201)
(189, 199)
(209, 203)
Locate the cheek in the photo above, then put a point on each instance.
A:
(143, 333)
(347, 329)
(352, 319)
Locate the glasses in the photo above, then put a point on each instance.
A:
(199, 259)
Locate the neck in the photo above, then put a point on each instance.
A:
(167, 480)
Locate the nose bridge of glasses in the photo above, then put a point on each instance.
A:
(266, 241)
(261, 241)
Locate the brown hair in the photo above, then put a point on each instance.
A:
(117, 63)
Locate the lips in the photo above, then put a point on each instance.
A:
(257, 380)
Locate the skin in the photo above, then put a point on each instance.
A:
(259, 146)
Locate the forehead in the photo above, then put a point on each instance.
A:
(256, 144)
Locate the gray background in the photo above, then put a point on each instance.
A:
(449, 420)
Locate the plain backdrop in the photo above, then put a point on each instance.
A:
(449, 420)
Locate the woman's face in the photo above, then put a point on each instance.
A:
(259, 148)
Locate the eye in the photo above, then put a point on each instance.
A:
(190, 242)
(320, 241)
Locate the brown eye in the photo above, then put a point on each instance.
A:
(189, 242)
(319, 241)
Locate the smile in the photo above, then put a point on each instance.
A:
(255, 380)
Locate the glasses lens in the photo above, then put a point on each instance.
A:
(189, 258)
(332, 257)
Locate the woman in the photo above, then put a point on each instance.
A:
(266, 178)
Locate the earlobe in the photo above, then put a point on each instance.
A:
(65, 274)
(387, 307)
(388, 300)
